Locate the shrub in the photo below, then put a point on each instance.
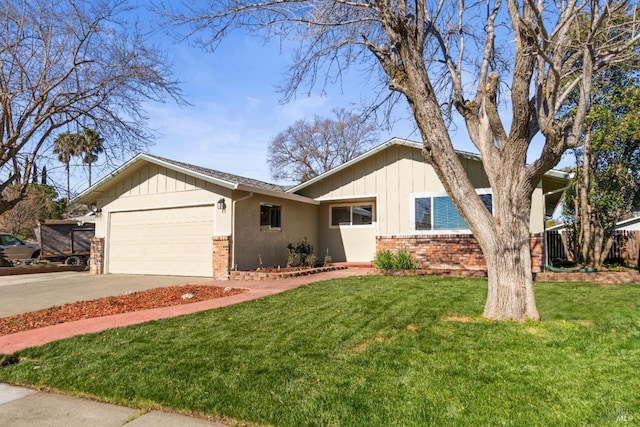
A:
(385, 260)
(310, 261)
(300, 254)
(404, 261)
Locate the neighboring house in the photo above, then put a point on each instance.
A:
(158, 216)
(631, 224)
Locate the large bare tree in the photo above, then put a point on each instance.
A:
(505, 67)
(72, 64)
(308, 148)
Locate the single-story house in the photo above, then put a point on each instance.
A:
(159, 216)
(631, 224)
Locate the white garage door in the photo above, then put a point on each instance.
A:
(173, 242)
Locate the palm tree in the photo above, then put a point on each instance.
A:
(65, 146)
(90, 145)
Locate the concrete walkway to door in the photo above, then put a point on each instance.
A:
(10, 344)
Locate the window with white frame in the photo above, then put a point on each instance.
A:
(436, 212)
(270, 216)
(352, 214)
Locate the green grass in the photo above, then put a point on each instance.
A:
(370, 351)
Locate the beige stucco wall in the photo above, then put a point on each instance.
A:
(253, 242)
(346, 243)
(537, 211)
(149, 186)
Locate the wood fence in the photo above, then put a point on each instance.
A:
(624, 249)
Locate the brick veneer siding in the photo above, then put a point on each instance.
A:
(221, 257)
(452, 251)
(537, 253)
(96, 256)
(602, 277)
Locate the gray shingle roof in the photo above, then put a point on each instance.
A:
(231, 178)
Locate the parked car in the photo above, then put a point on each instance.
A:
(15, 248)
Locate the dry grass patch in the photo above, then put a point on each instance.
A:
(364, 346)
(461, 319)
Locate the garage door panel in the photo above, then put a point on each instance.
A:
(166, 241)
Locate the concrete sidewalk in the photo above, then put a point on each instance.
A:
(25, 407)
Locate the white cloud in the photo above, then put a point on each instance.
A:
(252, 103)
(303, 108)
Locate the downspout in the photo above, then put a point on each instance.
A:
(233, 229)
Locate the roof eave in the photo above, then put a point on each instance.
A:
(217, 181)
(407, 143)
(90, 195)
(345, 165)
(278, 194)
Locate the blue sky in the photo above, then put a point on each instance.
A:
(235, 109)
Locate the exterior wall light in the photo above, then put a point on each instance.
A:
(96, 210)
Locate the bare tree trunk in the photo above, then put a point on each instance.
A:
(504, 235)
(594, 240)
(510, 289)
(586, 228)
(606, 247)
(508, 254)
(567, 243)
(598, 253)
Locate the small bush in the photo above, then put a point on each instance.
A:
(301, 254)
(404, 261)
(385, 260)
(310, 261)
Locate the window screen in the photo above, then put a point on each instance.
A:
(341, 215)
(361, 215)
(270, 215)
(446, 216)
(352, 215)
(423, 213)
(439, 213)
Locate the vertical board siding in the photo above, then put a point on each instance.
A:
(393, 174)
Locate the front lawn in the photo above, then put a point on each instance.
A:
(370, 351)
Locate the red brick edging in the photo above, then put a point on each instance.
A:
(271, 275)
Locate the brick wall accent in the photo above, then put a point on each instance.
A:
(537, 253)
(221, 257)
(451, 251)
(602, 277)
(96, 257)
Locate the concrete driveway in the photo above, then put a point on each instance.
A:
(30, 292)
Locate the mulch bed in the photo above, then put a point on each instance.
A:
(143, 300)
